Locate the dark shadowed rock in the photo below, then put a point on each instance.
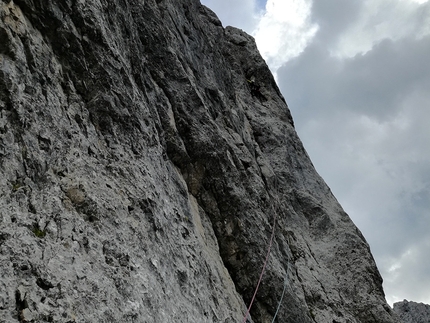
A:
(141, 174)
(412, 312)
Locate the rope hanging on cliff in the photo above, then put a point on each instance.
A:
(264, 268)
(283, 293)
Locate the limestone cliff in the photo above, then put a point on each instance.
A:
(140, 177)
(412, 312)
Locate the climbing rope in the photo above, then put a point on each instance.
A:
(283, 293)
(264, 268)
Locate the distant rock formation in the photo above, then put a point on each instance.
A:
(412, 312)
(140, 176)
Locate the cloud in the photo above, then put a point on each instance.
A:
(400, 284)
(284, 30)
(326, 15)
(374, 84)
(383, 19)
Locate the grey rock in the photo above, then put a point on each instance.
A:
(412, 312)
(140, 176)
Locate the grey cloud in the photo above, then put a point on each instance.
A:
(333, 16)
(372, 84)
(375, 83)
(410, 279)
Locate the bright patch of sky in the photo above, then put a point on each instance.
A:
(383, 19)
(284, 30)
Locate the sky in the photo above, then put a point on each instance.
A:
(356, 77)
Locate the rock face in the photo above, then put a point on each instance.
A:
(140, 178)
(411, 312)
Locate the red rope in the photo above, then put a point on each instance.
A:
(262, 271)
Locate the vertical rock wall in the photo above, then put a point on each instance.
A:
(140, 176)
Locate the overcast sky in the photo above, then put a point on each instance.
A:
(356, 76)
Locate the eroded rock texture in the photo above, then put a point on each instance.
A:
(412, 312)
(140, 177)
